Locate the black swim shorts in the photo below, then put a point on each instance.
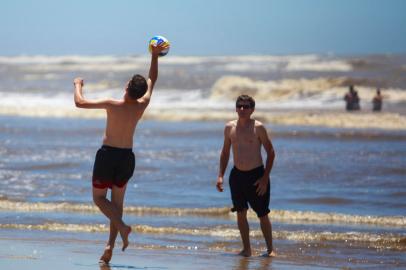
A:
(243, 191)
(113, 166)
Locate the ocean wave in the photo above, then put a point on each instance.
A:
(62, 59)
(278, 215)
(382, 240)
(318, 92)
(241, 63)
(315, 63)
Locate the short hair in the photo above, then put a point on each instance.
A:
(246, 98)
(137, 87)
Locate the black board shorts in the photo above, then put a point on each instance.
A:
(243, 191)
(113, 166)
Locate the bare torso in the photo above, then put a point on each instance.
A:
(246, 145)
(122, 119)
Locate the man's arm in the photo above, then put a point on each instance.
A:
(82, 102)
(270, 153)
(153, 72)
(224, 157)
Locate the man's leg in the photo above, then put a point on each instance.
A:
(117, 199)
(112, 212)
(266, 228)
(244, 228)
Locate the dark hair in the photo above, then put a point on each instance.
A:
(137, 86)
(246, 98)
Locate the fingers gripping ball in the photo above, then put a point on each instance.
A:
(159, 40)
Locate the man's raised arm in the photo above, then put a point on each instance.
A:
(153, 70)
(82, 102)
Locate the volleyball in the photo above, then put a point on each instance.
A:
(158, 40)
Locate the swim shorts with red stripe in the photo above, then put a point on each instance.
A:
(113, 166)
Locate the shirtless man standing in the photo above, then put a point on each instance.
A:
(115, 162)
(249, 180)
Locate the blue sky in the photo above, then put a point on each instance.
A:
(205, 27)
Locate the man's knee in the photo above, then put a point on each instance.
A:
(242, 214)
(98, 199)
(264, 219)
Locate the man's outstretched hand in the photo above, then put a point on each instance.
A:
(157, 49)
(78, 80)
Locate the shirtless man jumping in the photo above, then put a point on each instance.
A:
(115, 162)
(249, 180)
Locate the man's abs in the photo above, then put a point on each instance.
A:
(247, 162)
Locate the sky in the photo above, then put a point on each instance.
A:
(204, 27)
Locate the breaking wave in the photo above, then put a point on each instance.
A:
(277, 215)
(316, 92)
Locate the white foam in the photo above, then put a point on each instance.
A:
(261, 63)
(317, 64)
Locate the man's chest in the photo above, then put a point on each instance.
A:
(244, 137)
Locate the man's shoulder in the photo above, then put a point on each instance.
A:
(232, 123)
(259, 126)
(258, 123)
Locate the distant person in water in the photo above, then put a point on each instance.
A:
(352, 100)
(249, 179)
(115, 161)
(377, 101)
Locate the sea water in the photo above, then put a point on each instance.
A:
(331, 189)
(337, 194)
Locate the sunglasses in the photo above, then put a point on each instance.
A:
(245, 107)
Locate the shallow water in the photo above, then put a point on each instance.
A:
(336, 193)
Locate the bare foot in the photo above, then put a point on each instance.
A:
(106, 257)
(124, 235)
(245, 253)
(270, 254)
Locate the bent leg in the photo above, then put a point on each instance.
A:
(243, 226)
(112, 212)
(117, 199)
(266, 228)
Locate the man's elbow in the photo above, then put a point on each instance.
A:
(79, 103)
(273, 154)
(224, 155)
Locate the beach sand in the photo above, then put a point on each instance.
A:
(30, 250)
(38, 250)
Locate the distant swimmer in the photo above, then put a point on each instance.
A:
(377, 101)
(249, 181)
(115, 161)
(352, 100)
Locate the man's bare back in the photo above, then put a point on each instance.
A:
(115, 161)
(122, 119)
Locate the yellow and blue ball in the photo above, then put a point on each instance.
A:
(159, 40)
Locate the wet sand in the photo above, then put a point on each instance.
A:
(21, 250)
(28, 251)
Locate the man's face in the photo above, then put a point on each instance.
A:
(244, 109)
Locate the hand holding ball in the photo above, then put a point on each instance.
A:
(161, 42)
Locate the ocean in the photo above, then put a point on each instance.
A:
(337, 192)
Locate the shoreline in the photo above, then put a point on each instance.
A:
(53, 250)
(28, 251)
(37, 251)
